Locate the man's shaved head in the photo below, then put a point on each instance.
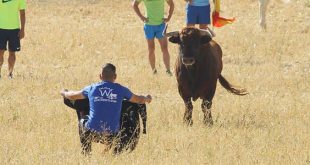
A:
(108, 71)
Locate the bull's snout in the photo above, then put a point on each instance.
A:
(188, 61)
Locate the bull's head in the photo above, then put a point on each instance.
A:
(190, 40)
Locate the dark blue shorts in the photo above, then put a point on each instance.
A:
(152, 31)
(10, 38)
(198, 14)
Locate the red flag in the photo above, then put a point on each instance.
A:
(218, 21)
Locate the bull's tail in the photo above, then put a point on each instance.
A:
(230, 88)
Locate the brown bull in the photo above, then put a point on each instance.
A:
(198, 67)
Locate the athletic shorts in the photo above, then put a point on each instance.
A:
(198, 14)
(9, 38)
(152, 31)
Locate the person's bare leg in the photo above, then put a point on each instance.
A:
(203, 26)
(11, 62)
(151, 48)
(190, 25)
(166, 56)
(1, 59)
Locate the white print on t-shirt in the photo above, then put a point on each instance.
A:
(107, 95)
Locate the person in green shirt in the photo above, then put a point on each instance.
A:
(154, 26)
(12, 30)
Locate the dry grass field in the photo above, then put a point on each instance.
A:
(67, 42)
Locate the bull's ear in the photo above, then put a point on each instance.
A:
(205, 39)
(175, 39)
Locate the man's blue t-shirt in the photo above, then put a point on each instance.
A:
(105, 102)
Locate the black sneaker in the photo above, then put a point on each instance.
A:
(154, 71)
(169, 73)
(11, 75)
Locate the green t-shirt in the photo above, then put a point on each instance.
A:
(154, 11)
(9, 13)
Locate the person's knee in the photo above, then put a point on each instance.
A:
(163, 44)
(2, 53)
(164, 48)
(152, 53)
(151, 46)
(203, 26)
(151, 50)
(165, 51)
(190, 25)
(12, 55)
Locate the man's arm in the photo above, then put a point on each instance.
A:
(72, 95)
(22, 15)
(140, 99)
(171, 9)
(135, 6)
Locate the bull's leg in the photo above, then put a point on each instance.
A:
(206, 109)
(188, 112)
(85, 138)
(86, 142)
(207, 104)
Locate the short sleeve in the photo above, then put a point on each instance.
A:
(86, 90)
(22, 4)
(127, 93)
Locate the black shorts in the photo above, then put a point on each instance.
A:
(11, 38)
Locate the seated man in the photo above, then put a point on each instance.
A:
(130, 126)
(105, 101)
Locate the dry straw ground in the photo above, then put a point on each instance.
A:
(67, 42)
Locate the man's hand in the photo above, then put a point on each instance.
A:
(72, 95)
(140, 99)
(166, 20)
(135, 6)
(189, 1)
(171, 9)
(143, 19)
(63, 92)
(21, 34)
(148, 99)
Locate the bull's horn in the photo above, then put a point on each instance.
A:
(170, 34)
(206, 32)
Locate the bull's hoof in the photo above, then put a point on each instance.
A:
(188, 122)
(208, 121)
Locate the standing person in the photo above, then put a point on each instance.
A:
(198, 12)
(12, 30)
(105, 102)
(154, 26)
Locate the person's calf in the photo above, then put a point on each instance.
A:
(11, 61)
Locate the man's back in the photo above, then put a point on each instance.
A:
(105, 100)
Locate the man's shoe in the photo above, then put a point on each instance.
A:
(11, 75)
(169, 73)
